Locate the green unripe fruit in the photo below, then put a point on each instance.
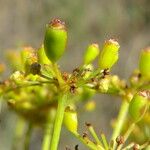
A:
(55, 40)
(42, 58)
(144, 64)
(109, 54)
(70, 120)
(91, 53)
(139, 105)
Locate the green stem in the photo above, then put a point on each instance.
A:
(120, 120)
(47, 132)
(88, 143)
(130, 129)
(28, 137)
(58, 74)
(26, 85)
(93, 133)
(47, 137)
(129, 146)
(104, 141)
(126, 135)
(145, 145)
(58, 122)
(19, 132)
(45, 77)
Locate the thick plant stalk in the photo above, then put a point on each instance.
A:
(48, 127)
(120, 120)
(58, 122)
(58, 74)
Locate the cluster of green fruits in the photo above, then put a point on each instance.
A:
(39, 85)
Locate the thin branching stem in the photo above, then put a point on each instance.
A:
(19, 133)
(28, 84)
(120, 120)
(88, 143)
(126, 135)
(105, 143)
(48, 126)
(93, 133)
(28, 137)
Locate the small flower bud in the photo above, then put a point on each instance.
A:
(135, 78)
(87, 70)
(109, 54)
(26, 53)
(42, 58)
(17, 77)
(55, 39)
(104, 85)
(136, 147)
(70, 120)
(91, 53)
(144, 64)
(120, 140)
(29, 57)
(11, 103)
(24, 106)
(139, 104)
(90, 106)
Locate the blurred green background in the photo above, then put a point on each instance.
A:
(22, 22)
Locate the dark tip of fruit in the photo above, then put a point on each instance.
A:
(136, 147)
(87, 124)
(57, 23)
(84, 135)
(112, 41)
(95, 45)
(120, 140)
(145, 93)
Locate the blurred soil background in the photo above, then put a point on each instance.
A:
(22, 22)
